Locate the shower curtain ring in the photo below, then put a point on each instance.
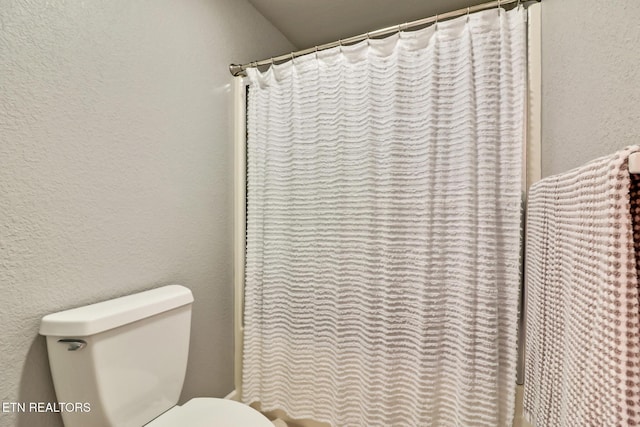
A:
(316, 53)
(436, 23)
(468, 13)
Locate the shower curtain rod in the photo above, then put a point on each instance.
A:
(239, 70)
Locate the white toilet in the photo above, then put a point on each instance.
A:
(127, 359)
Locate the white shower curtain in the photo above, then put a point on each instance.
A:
(383, 226)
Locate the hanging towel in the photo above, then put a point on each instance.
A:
(634, 199)
(583, 333)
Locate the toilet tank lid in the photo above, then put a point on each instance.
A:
(102, 316)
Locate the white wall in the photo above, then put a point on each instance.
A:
(116, 170)
(590, 79)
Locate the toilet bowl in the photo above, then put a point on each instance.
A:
(122, 363)
(210, 412)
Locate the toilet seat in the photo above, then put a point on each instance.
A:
(211, 412)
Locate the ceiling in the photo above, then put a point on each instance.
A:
(308, 23)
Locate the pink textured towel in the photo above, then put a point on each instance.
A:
(583, 333)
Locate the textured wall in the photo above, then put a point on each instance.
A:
(590, 78)
(116, 170)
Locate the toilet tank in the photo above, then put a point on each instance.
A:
(121, 362)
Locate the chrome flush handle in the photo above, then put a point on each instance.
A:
(73, 345)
